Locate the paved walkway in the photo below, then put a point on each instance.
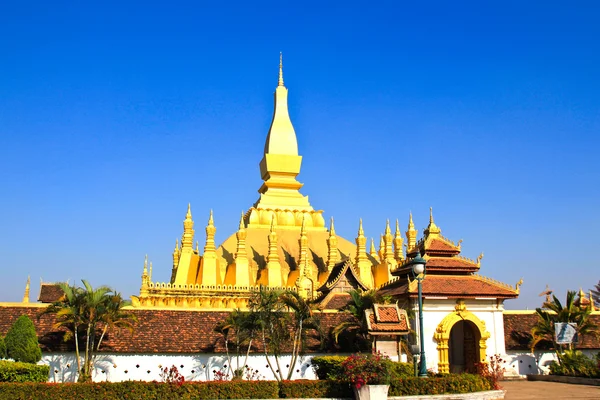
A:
(525, 390)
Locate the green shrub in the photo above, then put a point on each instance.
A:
(575, 363)
(400, 370)
(134, 390)
(23, 372)
(314, 389)
(328, 367)
(453, 383)
(22, 342)
(2, 348)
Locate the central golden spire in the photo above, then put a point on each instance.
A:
(280, 192)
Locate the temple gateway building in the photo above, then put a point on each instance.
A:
(284, 243)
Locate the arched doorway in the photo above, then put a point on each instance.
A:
(469, 339)
(463, 347)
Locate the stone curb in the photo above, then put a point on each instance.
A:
(486, 395)
(564, 379)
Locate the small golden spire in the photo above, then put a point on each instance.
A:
(332, 253)
(381, 248)
(432, 228)
(411, 234)
(388, 231)
(398, 243)
(26, 294)
(150, 272)
(145, 272)
(372, 251)
(242, 226)
(360, 228)
(280, 83)
(210, 234)
(187, 239)
(197, 247)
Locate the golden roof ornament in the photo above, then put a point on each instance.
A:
(432, 228)
(188, 229)
(411, 233)
(26, 294)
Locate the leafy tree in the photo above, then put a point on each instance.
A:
(84, 312)
(282, 321)
(2, 348)
(555, 312)
(355, 329)
(22, 342)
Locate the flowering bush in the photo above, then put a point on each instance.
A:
(492, 371)
(363, 369)
(172, 375)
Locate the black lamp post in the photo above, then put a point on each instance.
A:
(418, 267)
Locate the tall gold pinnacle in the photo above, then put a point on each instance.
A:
(332, 255)
(280, 83)
(210, 234)
(432, 228)
(411, 234)
(398, 244)
(188, 229)
(26, 294)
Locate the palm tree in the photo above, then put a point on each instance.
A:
(356, 325)
(82, 311)
(282, 318)
(553, 313)
(239, 328)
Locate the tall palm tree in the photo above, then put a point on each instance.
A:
(82, 311)
(555, 312)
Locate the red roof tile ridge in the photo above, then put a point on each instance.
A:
(495, 282)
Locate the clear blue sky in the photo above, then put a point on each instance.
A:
(113, 117)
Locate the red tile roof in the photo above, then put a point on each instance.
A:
(50, 292)
(517, 331)
(453, 286)
(441, 245)
(157, 331)
(451, 263)
(387, 319)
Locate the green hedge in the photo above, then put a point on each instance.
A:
(22, 342)
(140, 390)
(330, 367)
(314, 389)
(462, 383)
(2, 348)
(23, 372)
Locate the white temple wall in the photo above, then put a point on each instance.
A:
(523, 362)
(147, 367)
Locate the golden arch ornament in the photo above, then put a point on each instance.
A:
(442, 335)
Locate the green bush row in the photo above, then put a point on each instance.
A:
(453, 383)
(330, 367)
(134, 390)
(23, 372)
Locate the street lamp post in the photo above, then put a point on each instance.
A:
(418, 267)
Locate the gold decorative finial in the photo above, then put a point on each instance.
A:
(150, 272)
(332, 228)
(145, 265)
(242, 226)
(280, 69)
(387, 227)
(197, 247)
(411, 225)
(210, 218)
(432, 228)
(188, 215)
(479, 257)
(518, 285)
(372, 251)
(360, 228)
(26, 294)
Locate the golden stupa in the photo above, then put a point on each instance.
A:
(282, 241)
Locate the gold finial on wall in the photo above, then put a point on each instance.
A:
(280, 83)
(210, 234)
(150, 272)
(479, 258)
(26, 294)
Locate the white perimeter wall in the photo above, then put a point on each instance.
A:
(196, 367)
